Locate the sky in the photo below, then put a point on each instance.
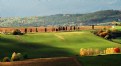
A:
(24, 8)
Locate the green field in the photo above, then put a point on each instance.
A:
(118, 39)
(117, 28)
(60, 44)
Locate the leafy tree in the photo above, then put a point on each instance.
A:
(17, 32)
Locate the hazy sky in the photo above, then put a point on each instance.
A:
(10, 8)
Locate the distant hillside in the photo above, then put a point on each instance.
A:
(63, 19)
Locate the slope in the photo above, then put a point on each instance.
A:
(63, 19)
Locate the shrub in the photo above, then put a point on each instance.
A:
(83, 52)
(97, 51)
(108, 31)
(89, 52)
(19, 56)
(117, 50)
(6, 59)
(17, 32)
(111, 50)
(16, 57)
(108, 36)
(103, 34)
(100, 31)
(25, 56)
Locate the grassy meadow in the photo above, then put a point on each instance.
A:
(117, 28)
(118, 39)
(58, 44)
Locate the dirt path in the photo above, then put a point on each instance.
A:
(60, 37)
(61, 61)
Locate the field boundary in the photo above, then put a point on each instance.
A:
(52, 29)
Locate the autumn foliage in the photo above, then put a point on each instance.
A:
(90, 51)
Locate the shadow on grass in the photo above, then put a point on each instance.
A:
(104, 60)
(33, 50)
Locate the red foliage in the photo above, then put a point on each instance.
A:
(117, 50)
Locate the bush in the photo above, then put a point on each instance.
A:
(89, 52)
(109, 37)
(117, 50)
(107, 34)
(25, 56)
(16, 57)
(103, 34)
(6, 59)
(17, 32)
(97, 32)
(20, 56)
(111, 50)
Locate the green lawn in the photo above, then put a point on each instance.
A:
(58, 44)
(106, 60)
(117, 28)
(118, 40)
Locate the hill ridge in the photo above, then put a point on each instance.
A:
(63, 19)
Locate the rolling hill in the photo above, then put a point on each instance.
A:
(60, 44)
(63, 19)
(51, 44)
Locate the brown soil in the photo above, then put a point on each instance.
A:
(63, 61)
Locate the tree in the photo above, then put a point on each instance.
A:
(17, 32)
(36, 30)
(92, 26)
(25, 30)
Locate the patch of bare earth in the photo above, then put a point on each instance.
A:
(62, 61)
